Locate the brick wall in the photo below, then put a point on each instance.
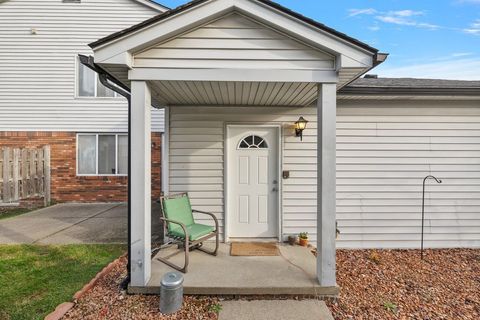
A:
(66, 185)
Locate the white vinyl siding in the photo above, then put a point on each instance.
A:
(384, 150)
(197, 155)
(38, 71)
(234, 41)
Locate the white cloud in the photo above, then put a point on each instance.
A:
(405, 18)
(459, 69)
(395, 20)
(356, 12)
(428, 26)
(461, 54)
(469, 1)
(474, 28)
(405, 13)
(399, 17)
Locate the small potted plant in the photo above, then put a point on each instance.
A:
(303, 239)
(292, 239)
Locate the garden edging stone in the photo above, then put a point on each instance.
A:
(64, 307)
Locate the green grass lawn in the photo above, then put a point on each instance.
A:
(34, 279)
(6, 212)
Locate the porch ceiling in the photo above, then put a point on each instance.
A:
(281, 93)
(233, 93)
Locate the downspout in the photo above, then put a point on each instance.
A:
(107, 79)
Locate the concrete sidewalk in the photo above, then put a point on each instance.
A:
(275, 310)
(67, 224)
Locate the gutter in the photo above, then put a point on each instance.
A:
(114, 84)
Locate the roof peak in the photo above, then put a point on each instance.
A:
(268, 3)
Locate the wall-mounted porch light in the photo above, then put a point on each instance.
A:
(300, 125)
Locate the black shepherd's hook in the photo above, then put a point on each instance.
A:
(423, 205)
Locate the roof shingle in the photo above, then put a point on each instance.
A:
(412, 83)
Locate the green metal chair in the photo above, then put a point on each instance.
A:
(177, 215)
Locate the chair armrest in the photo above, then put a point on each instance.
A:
(209, 214)
(184, 227)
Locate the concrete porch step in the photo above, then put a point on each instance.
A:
(275, 310)
(293, 272)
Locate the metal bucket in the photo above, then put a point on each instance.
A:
(171, 292)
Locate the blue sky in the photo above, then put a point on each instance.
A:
(425, 38)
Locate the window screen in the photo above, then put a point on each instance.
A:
(87, 154)
(102, 154)
(86, 81)
(106, 154)
(89, 85)
(122, 154)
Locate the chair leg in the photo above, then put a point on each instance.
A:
(214, 252)
(187, 251)
(216, 243)
(183, 269)
(174, 266)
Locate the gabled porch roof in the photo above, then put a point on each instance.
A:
(194, 3)
(232, 52)
(205, 44)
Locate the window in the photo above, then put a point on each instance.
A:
(102, 154)
(253, 142)
(89, 85)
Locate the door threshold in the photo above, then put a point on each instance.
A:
(233, 239)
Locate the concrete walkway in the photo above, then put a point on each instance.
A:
(67, 224)
(275, 310)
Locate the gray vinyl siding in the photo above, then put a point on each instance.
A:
(234, 42)
(38, 72)
(384, 150)
(197, 154)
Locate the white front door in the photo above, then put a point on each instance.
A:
(253, 182)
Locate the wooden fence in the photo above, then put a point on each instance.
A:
(24, 174)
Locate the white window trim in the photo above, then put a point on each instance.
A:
(96, 174)
(116, 96)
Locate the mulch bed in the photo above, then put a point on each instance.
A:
(397, 284)
(375, 284)
(107, 301)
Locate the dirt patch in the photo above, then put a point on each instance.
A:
(396, 284)
(107, 301)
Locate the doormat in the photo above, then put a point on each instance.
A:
(254, 249)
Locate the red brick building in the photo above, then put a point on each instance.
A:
(66, 184)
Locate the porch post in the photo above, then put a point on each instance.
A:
(140, 180)
(326, 184)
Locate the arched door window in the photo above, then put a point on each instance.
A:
(252, 142)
